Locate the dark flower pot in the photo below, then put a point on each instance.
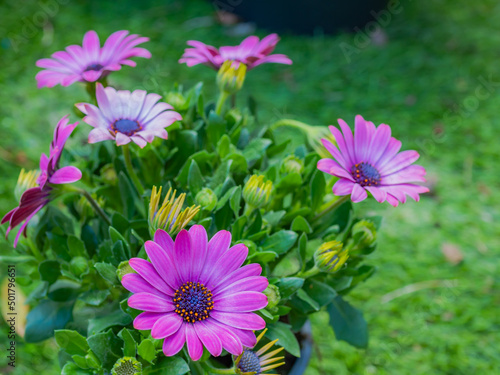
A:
(305, 17)
(299, 365)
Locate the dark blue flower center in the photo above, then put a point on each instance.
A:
(365, 174)
(127, 127)
(249, 362)
(95, 67)
(193, 302)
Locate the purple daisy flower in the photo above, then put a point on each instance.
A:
(195, 291)
(90, 62)
(371, 161)
(35, 198)
(126, 116)
(251, 52)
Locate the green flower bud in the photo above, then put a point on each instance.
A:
(78, 265)
(257, 192)
(330, 256)
(364, 234)
(127, 366)
(108, 174)
(273, 296)
(292, 164)
(177, 100)
(231, 76)
(207, 199)
(123, 269)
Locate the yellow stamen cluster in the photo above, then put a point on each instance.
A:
(169, 216)
(231, 76)
(127, 366)
(193, 302)
(26, 180)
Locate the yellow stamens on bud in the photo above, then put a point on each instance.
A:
(330, 256)
(26, 180)
(169, 216)
(231, 76)
(257, 191)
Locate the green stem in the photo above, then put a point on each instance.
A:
(91, 86)
(214, 370)
(220, 102)
(309, 273)
(130, 169)
(291, 123)
(332, 206)
(95, 206)
(34, 249)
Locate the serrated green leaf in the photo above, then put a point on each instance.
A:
(71, 342)
(107, 272)
(107, 348)
(348, 323)
(147, 350)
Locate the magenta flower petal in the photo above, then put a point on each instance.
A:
(209, 339)
(66, 175)
(242, 320)
(150, 302)
(146, 320)
(148, 272)
(247, 338)
(240, 302)
(251, 52)
(194, 345)
(167, 325)
(90, 62)
(174, 343)
(370, 161)
(200, 278)
(127, 116)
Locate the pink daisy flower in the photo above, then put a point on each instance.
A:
(250, 52)
(371, 161)
(195, 291)
(90, 62)
(125, 116)
(35, 198)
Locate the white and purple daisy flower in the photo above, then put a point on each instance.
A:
(370, 161)
(127, 116)
(195, 291)
(90, 62)
(251, 52)
(37, 197)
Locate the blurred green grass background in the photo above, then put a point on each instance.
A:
(423, 75)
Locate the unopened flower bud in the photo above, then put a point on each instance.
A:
(108, 174)
(257, 191)
(207, 199)
(364, 234)
(330, 256)
(273, 296)
(177, 100)
(123, 269)
(231, 76)
(292, 164)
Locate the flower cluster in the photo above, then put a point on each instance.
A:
(247, 238)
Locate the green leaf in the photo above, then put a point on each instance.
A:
(256, 149)
(318, 186)
(80, 360)
(76, 247)
(94, 297)
(290, 182)
(169, 366)
(301, 293)
(284, 334)
(263, 257)
(235, 201)
(220, 175)
(289, 285)
(320, 292)
(299, 224)
(119, 252)
(120, 222)
(302, 245)
(348, 323)
(63, 290)
(280, 242)
(223, 146)
(49, 270)
(107, 347)
(116, 318)
(195, 178)
(127, 195)
(117, 236)
(130, 346)
(46, 317)
(71, 368)
(71, 342)
(273, 218)
(147, 350)
(107, 272)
